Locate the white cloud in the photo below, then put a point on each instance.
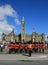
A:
(5, 27)
(17, 21)
(5, 11)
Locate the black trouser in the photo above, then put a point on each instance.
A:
(36, 50)
(21, 50)
(1, 49)
(43, 50)
(25, 50)
(40, 50)
(30, 52)
(16, 50)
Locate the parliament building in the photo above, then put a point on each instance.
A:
(34, 37)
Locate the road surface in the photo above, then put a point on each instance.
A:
(34, 56)
(20, 59)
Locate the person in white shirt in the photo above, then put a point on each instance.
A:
(1, 47)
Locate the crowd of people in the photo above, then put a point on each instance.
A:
(28, 47)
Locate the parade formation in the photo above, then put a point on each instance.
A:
(27, 47)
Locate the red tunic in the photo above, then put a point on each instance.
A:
(43, 46)
(21, 46)
(16, 46)
(30, 47)
(36, 46)
(11, 46)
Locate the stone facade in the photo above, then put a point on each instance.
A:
(38, 38)
(34, 37)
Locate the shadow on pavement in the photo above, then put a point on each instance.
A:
(26, 55)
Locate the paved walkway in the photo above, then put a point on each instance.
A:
(23, 57)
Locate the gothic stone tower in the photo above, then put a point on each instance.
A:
(12, 36)
(23, 30)
(3, 38)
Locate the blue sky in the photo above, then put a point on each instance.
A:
(35, 13)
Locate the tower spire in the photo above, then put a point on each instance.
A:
(23, 18)
(33, 30)
(13, 29)
(23, 30)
